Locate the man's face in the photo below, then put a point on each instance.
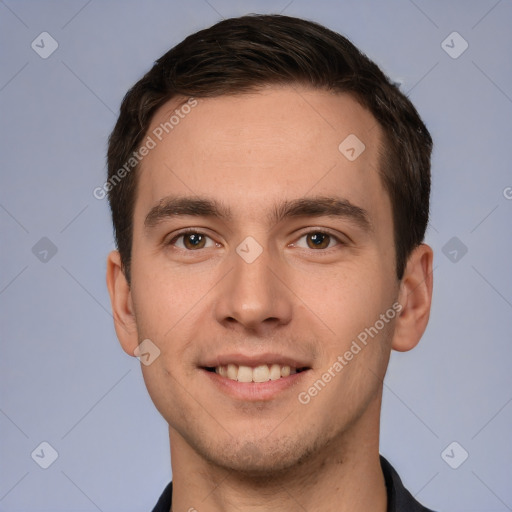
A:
(264, 286)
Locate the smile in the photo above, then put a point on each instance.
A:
(259, 373)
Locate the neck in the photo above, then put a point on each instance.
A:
(344, 475)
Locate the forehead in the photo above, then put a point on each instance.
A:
(251, 150)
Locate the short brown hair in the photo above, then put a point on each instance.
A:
(241, 54)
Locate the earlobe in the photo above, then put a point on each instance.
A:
(415, 297)
(122, 305)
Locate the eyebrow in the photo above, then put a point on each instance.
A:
(318, 206)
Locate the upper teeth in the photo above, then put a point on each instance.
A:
(261, 373)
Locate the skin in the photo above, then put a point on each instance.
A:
(251, 152)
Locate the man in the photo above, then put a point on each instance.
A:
(270, 193)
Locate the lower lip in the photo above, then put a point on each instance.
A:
(254, 391)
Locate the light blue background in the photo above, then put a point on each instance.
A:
(64, 377)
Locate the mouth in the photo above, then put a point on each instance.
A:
(255, 377)
(259, 374)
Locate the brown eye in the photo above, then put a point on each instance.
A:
(318, 240)
(191, 241)
(194, 241)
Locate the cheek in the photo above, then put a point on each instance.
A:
(169, 306)
(163, 295)
(167, 392)
(348, 300)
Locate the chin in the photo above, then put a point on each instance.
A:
(262, 459)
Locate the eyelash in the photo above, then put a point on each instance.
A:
(191, 231)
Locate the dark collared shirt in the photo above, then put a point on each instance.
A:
(399, 498)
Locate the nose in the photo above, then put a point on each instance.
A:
(252, 297)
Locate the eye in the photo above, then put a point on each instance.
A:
(191, 240)
(319, 240)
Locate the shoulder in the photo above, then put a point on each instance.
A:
(165, 500)
(399, 498)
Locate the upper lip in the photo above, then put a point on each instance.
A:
(255, 360)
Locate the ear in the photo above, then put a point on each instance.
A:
(122, 305)
(415, 296)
